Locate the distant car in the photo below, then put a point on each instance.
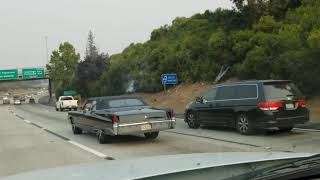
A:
(66, 102)
(17, 102)
(250, 105)
(120, 115)
(6, 100)
(22, 99)
(32, 100)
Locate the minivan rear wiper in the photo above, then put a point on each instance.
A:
(291, 96)
(297, 167)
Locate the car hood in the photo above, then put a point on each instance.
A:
(159, 165)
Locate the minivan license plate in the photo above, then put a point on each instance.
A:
(289, 106)
(145, 127)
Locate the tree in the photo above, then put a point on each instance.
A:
(255, 64)
(91, 50)
(254, 9)
(90, 70)
(314, 39)
(62, 66)
(259, 39)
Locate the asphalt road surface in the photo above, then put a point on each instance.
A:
(37, 137)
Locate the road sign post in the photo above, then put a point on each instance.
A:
(9, 74)
(168, 79)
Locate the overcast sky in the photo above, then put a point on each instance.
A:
(115, 24)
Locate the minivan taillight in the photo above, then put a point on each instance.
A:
(265, 106)
(115, 119)
(301, 103)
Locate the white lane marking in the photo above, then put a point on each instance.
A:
(27, 121)
(99, 154)
(88, 149)
(299, 129)
(312, 130)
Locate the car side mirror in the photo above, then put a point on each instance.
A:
(84, 109)
(199, 99)
(88, 108)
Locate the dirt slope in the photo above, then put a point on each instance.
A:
(177, 97)
(314, 107)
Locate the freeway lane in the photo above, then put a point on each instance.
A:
(295, 141)
(125, 147)
(26, 148)
(177, 141)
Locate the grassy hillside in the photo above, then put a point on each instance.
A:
(260, 40)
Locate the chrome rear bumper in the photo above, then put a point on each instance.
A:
(133, 128)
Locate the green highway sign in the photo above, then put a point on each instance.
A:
(70, 93)
(33, 73)
(9, 74)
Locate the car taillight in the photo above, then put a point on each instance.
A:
(301, 103)
(115, 119)
(270, 105)
(172, 114)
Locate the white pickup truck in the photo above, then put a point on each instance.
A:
(66, 102)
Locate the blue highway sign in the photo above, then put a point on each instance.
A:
(169, 79)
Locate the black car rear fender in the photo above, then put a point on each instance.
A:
(250, 111)
(188, 111)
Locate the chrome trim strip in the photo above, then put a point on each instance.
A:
(294, 117)
(115, 129)
(142, 123)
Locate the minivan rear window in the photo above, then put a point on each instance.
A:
(281, 91)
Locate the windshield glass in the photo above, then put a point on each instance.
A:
(66, 98)
(98, 80)
(118, 103)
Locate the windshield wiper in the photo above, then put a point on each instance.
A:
(287, 169)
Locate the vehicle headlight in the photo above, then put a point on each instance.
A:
(188, 105)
